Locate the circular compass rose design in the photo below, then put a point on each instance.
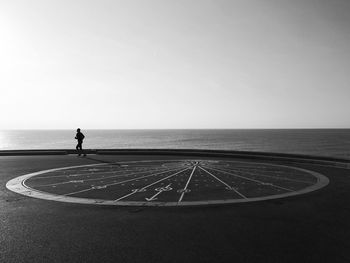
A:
(168, 182)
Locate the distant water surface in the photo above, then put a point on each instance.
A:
(322, 142)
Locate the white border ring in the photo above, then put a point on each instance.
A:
(17, 185)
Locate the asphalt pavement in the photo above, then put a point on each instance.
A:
(314, 227)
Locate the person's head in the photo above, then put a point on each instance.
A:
(78, 130)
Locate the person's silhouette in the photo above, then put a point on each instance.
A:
(80, 137)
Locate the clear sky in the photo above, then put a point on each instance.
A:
(174, 64)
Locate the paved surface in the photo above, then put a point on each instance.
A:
(171, 182)
(314, 227)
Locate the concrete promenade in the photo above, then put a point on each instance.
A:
(314, 227)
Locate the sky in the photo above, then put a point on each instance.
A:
(174, 64)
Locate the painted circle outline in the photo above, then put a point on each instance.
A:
(17, 185)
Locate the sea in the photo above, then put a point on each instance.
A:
(318, 142)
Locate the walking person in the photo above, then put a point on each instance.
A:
(80, 137)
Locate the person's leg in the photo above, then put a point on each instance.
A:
(79, 148)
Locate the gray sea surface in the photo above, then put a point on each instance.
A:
(321, 142)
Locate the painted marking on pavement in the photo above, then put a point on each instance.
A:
(228, 186)
(253, 180)
(126, 181)
(159, 191)
(188, 181)
(120, 198)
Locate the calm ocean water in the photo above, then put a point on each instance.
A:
(322, 142)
